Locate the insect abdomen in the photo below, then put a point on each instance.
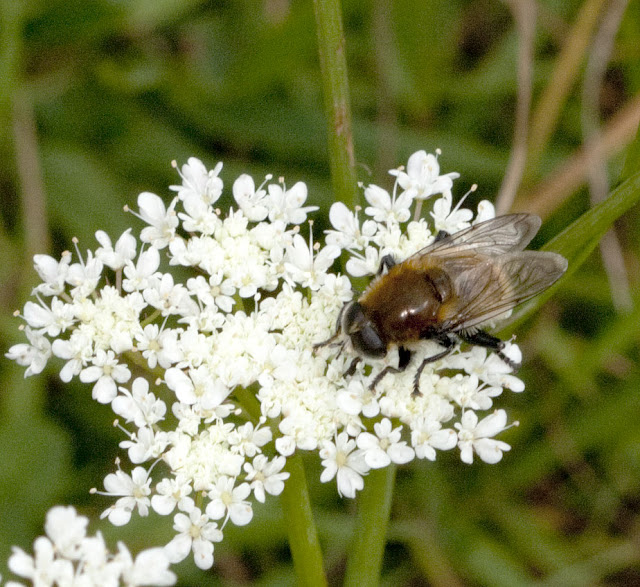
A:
(404, 303)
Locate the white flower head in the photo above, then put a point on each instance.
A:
(204, 341)
(68, 556)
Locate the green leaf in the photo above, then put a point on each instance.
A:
(632, 159)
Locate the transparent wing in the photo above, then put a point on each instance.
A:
(497, 284)
(497, 236)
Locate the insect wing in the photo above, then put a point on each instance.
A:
(497, 236)
(496, 285)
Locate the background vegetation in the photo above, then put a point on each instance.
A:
(96, 99)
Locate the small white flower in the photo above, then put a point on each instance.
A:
(139, 406)
(287, 205)
(385, 447)
(264, 475)
(198, 183)
(66, 529)
(116, 257)
(249, 439)
(428, 435)
(77, 351)
(229, 502)
(138, 276)
(171, 493)
(385, 209)
(162, 221)
(84, 276)
(150, 567)
(444, 218)
(195, 533)
(51, 321)
(159, 347)
(169, 297)
(53, 273)
(306, 268)
(147, 443)
(197, 386)
(107, 373)
(359, 266)
(477, 436)
(251, 201)
(343, 461)
(357, 399)
(348, 234)
(134, 490)
(489, 367)
(34, 356)
(422, 178)
(216, 291)
(43, 568)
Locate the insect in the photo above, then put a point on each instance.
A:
(445, 292)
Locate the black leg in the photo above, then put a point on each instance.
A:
(448, 344)
(352, 368)
(404, 356)
(337, 333)
(493, 343)
(386, 263)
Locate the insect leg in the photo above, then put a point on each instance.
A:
(404, 356)
(386, 263)
(448, 343)
(337, 333)
(486, 340)
(352, 368)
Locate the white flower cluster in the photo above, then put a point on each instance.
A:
(66, 556)
(240, 386)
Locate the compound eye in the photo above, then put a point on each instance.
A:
(368, 342)
(364, 338)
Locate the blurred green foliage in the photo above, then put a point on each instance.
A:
(112, 91)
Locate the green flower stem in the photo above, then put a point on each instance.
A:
(296, 506)
(303, 538)
(333, 66)
(367, 546)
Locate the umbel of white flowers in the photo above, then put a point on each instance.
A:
(259, 297)
(68, 556)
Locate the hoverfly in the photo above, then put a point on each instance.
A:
(446, 291)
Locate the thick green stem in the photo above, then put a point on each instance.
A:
(367, 546)
(333, 66)
(303, 538)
